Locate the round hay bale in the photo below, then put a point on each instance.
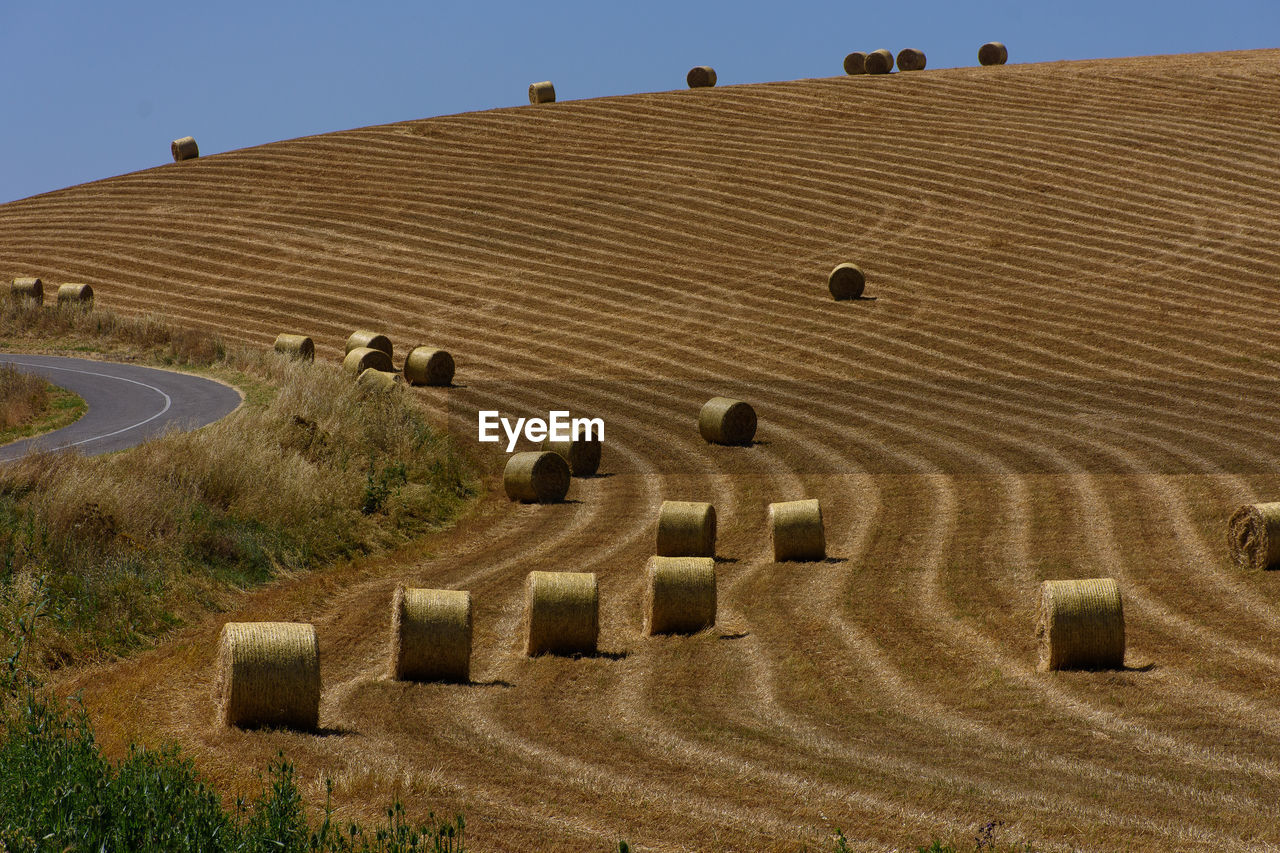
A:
(427, 366)
(726, 421)
(562, 613)
(75, 294)
(797, 531)
(856, 63)
(542, 93)
(269, 675)
(296, 346)
(846, 281)
(372, 340)
(879, 62)
(1080, 625)
(583, 455)
(536, 476)
(28, 288)
(686, 529)
(993, 53)
(361, 359)
(431, 635)
(910, 59)
(184, 149)
(1253, 536)
(701, 76)
(680, 595)
(374, 381)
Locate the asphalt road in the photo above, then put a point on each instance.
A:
(128, 404)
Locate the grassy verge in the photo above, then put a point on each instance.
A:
(307, 472)
(31, 406)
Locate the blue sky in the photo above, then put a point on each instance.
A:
(94, 89)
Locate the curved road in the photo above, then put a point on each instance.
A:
(128, 404)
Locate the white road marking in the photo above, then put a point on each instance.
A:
(168, 402)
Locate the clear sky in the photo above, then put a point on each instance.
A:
(94, 88)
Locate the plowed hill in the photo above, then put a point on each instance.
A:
(1071, 368)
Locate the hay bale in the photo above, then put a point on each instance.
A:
(296, 346)
(797, 531)
(371, 340)
(374, 381)
(1253, 536)
(856, 63)
(879, 62)
(427, 366)
(686, 529)
(726, 421)
(542, 93)
(562, 613)
(910, 59)
(75, 294)
(583, 455)
(680, 595)
(184, 149)
(269, 675)
(1080, 625)
(536, 476)
(846, 281)
(430, 635)
(28, 288)
(361, 359)
(993, 53)
(701, 76)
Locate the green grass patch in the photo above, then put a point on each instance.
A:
(63, 409)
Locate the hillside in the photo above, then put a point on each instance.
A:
(1070, 368)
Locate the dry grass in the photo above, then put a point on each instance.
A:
(308, 471)
(23, 398)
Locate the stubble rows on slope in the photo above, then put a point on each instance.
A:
(1065, 372)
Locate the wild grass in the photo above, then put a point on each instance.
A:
(307, 472)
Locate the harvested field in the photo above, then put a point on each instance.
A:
(992, 419)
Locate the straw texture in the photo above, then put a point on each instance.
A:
(431, 635)
(428, 366)
(296, 346)
(371, 340)
(184, 149)
(75, 294)
(269, 675)
(726, 421)
(686, 529)
(1080, 625)
(680, 595)
(28, 288)
(542, 93)
(583, 455)
(701, 76)
(910, 59)
(856, 63)
(879, 62)
(797, 531)
(993, 53)
(1253, 536)
(536, 476)
(846, 281)
(361, 359)
(562, 613)
(374, 381)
